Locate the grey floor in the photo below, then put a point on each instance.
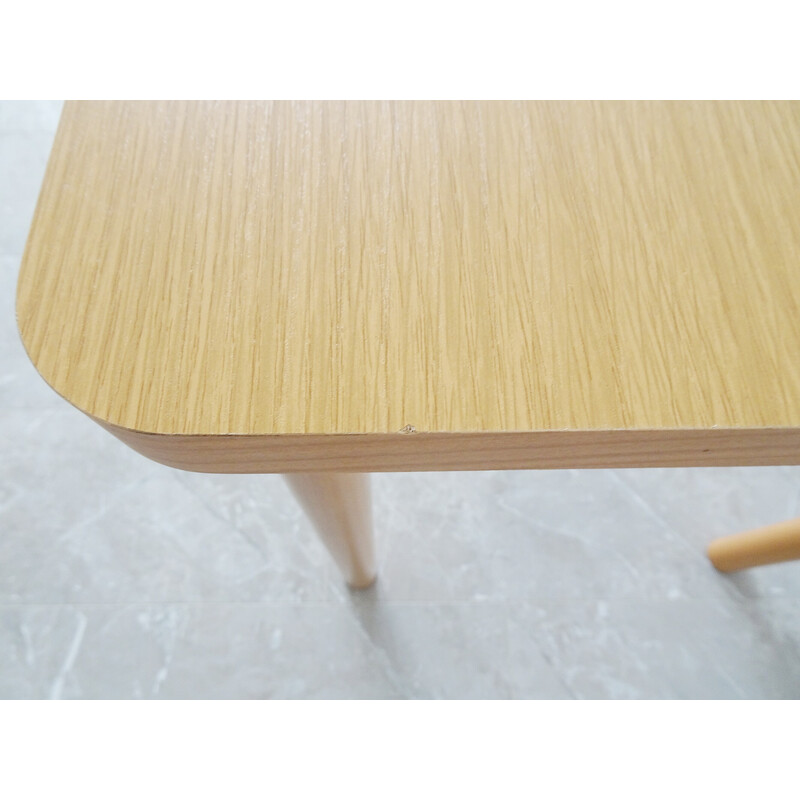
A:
(120, 578)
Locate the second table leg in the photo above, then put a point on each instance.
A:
(768, 545)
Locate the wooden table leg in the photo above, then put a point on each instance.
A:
(768, 545)
(339, 506)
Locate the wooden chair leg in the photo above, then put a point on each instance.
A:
(339, 506)
(768, 545)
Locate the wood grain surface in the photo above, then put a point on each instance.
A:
(249, 271)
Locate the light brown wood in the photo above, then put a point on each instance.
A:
(768, 545)
(340, 508)
(468, 451)
(521, 283)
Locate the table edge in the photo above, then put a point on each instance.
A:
(446, 451)
(458, 450)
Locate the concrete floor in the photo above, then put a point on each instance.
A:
(120, 578)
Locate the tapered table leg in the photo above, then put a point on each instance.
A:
(768, 545)
(339, 506)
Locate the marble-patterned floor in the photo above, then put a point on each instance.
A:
(120, 578)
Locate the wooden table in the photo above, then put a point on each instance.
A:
(323, 289)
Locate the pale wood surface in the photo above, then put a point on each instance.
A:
(503, 270)
(339, 506)
(395, 452)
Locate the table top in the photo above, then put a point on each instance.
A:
(593, 283)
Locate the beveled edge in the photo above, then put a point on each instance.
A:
(421, 451)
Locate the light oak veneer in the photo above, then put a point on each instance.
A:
(237, 287)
